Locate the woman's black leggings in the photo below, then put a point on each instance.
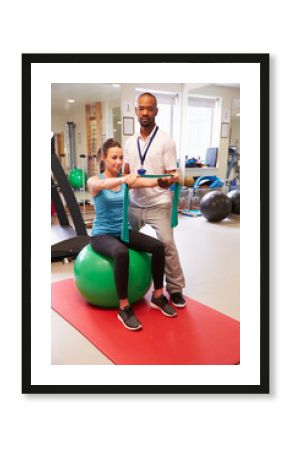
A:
(115, 248)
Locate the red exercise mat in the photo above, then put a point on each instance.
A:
(199, 335)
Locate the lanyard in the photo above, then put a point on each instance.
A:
(142, 157)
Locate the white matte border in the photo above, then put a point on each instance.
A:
(42, 75)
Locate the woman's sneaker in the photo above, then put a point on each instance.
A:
(162, 304)
(128, 318)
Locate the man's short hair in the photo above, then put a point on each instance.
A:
(149, 95)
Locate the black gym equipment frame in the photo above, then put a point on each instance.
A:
(66, 241)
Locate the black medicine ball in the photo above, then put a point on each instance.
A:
(234, 197)
(215, 206)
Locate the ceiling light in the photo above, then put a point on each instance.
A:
(115, 85)
(71, 100)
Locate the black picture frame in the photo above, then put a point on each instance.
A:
(262, 60)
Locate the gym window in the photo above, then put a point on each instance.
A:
(202, 126)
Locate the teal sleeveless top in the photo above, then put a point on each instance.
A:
(109, 211)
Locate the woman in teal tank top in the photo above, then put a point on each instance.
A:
(107, 190)
(108, 204)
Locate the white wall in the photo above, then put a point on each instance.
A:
(235, 132)
(210, 421)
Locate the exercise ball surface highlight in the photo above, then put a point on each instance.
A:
(215, 206)
(77, 178)
(94, 277)
(234, 196)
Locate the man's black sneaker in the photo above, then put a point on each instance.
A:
(162, 304)
(128, 318)
(177, 299)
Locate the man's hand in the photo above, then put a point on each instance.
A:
(166, 182)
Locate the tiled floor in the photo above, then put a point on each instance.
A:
(210, 257)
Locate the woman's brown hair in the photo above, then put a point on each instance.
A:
(103, 151)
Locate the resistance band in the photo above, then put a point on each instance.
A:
(174, 214)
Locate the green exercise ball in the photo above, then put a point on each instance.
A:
(77, 178)
(94, 277)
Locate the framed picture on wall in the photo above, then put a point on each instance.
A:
(128, 126)
(225, 130)
(218, 341)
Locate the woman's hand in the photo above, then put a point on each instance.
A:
(130, 179)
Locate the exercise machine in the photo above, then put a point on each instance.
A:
(233, 169)
(66, 240)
